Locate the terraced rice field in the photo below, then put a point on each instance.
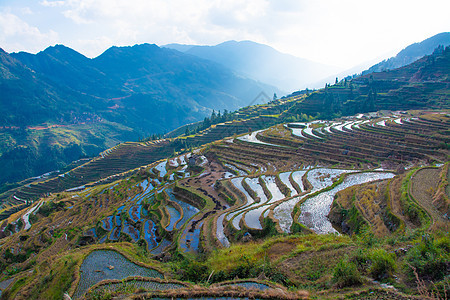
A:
(249, 285)
(150, 234)
(237, 182)
(188, 210)
(314, 211)
(282, 171)
(105, 264)
(174, 217)
(148, 285)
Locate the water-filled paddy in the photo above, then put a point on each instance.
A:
(251, 138)
(252, 217)
(136, 284)
(188, 210)
(174, 217)
(219, 232)
(131, 231)
(115, 234)
(161, 246)
(105, 264)
(150, 234)
(284, 177)
(161, 168)
(250, 285)
(273, 188)
(297, 177)
(190, 241)
(310, 132)
(135, 212)
(322, 177)
(315, 210)
(253, 183)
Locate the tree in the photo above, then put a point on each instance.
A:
(336, 81)
(275, 96)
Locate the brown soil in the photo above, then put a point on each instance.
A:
(280, 249)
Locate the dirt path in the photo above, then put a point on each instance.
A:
(204, 183)
(424, 184)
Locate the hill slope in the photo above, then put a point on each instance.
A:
(422, 84)
(412, 53)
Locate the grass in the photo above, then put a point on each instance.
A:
(415, 213)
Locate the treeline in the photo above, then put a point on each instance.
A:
(214, 119)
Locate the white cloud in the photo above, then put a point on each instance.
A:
(51, 3)
(345, 32)
(17, 34)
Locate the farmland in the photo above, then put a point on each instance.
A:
(263, 198)
(270, 204)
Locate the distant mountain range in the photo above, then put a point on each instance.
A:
(147, 88)
(412, 53)
(123, 94)
(261, 62)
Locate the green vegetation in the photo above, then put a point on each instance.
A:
(346, 274)
(429, 258)
(392, 231)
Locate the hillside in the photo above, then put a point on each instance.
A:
(412, 53)
(124, 94)
(261, 62)
(422, 84)
(266, 202)
(253, 210)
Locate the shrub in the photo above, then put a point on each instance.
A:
(366, 236)
(382, 264)
(346, 273)
(192, 270)
(429, 258)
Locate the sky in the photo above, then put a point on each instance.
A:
(341, 33)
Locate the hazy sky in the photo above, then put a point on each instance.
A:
(338, 32)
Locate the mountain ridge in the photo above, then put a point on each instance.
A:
(131, 92)
(261, 62)
(412, 53)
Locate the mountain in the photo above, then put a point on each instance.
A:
(179, 47)
(92, 104)
(158, 74)
(261, 62)
(412, 53)
(265, 208)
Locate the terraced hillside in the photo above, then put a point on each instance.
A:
(261, 207)
(272, 203)
(422, 84)
(127, 156)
